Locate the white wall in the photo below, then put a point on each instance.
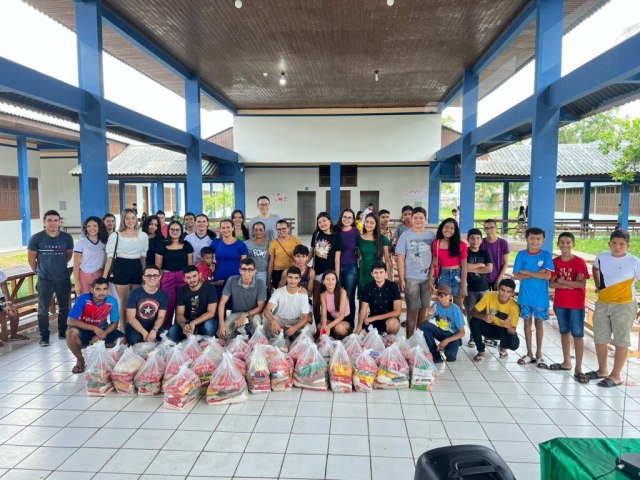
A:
(59, 190)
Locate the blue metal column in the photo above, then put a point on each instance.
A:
(505, 207)
(178, 198)
(239, 189)
(94, 197)
(544, 146)
(434, 192)
(334, 173)
(194, 151)
(123, 195)
(23, 187)
(624, 205)
(586, 200)
(154, 198)
(159, 196)
(468, 159)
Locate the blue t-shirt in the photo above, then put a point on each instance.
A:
(228, 257)
(96, 314)
(448, 319)
(534, 292)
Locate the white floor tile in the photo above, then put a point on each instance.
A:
(350, 410)
(508, 432)
(528, 471)
(268, 443)
(71, 437)
(396, 447)
(88, 459)
(349, 426)
(128, 420)
(164, 420)
(421, 445)
(349, 445)
(303, 466)
(228, 442)
(529, 415)
(8, 431)
(420, 412)
(391, 428)
(541, 433)
(266, 424)
(567, 417)
(129, 461)
(348, 468)
(517, 451)
(308, 444)
(426, 429)
(22, 416)
(19, 474)
(110, 437)
(265, 465)
(172, 463)
(238, 423)
(493, 414)
(57, 418)
(46, 458)
(385, 468)
(11, 455)
(32, 436)
(90, 419)
(312, 424)
(312, 409)
(468, 430)
(200, 421)
(148, 438)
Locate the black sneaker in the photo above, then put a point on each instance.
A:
(44, 342)
(62, 335)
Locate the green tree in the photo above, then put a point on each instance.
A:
(220, 204)
(448, 121)
(589, 129)
(623, 137)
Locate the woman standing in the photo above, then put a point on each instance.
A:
(126, 257)
(280, 253)
(348, 260)
(334, 307)
(89, 254)
(239, 228)
(449, 263)
(359, 218)
(326, 248)
(258, 250)
(372, 246)
(228, 251)
(109, 220)
(171, 258)
(151, 226)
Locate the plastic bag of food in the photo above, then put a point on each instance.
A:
(373, 341)
(125, 370)
(238, 347)
(227, 385)
(148, 380)
(118, 349)
(340, 370)
(393, 370)
(258, 337)
(423, 371)
(281, 368)
(305, 333)
(389, 339)
(206, 364)
(353, 345)
(97, 373)
(417, 340)
(405, 348)
(258, 375)
(326, 346)
(191, 347)
(310, 370)
(142, 349)
(175, 359)
(280, 342)
(365, 369)
(166, 344)
(297, 348)
(182, 389)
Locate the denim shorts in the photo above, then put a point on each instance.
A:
(450, 277)
(570, 320)
(536, 313)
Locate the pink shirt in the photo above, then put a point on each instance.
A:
(331, 305)
(444, 260)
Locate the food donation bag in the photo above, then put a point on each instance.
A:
(311, 369)
(148, 380)
(125, 370)
(365, 369)
(227, 385)
(393, 370)
(281, 368)
(423, 371)
(97, 373)
(258, 375)
(340, 370)
(182, 389)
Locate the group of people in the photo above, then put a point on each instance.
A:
(182, 278)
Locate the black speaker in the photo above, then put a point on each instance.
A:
(462, 462)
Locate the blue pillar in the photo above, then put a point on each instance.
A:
(194, 153)
(178, 198)
(586, 200)
(624, 206)
(434, 192)
(238, 188)
(544, 146)
(94, 198)
(123, 195)
(159, 196)
(154, 199)
(468, 160)
(505, 206)
(23, 187)
(335, 191)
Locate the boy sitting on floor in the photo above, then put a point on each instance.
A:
(448, 328)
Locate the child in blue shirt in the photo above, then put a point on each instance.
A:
(448, 327)
(533, 268)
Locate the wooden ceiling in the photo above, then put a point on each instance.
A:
(328, 49)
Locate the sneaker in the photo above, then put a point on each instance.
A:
(44, 342)
(471, 343)
(504, 354)
(62, 335)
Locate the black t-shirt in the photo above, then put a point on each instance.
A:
(147, 305)
(196, 303)
(175, 260)
(380, 299)
(325, 248)
(155, 244)
(478, 282)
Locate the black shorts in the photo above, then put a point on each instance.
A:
(127, 271)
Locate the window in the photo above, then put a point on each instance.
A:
(348, 175)
(10, 198)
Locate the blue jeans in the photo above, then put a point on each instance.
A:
(46, 289)
(134, 336)
(349, 280)
(450, 277)
(432, 333)
(209, 328)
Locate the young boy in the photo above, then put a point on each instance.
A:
(479, 266)
(498, 249)
(206, 265)
(307, 275)
(569, 280)
(448, 328)
(533, 268)
(614, 274)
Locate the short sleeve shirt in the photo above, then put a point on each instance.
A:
(228, 257)
(446, 260)
(477, 282)
(259, 254)
(448, 319)
(93, 255)
(569, 270)
(282, 252)
(380, 299)
(96, 314)
(196, 303)
(617, 277)
(147, 305)
(324, 251)
(502, 311)
(416, 248)
(534, 292)
(269, 225)
(175, 260)
(349, 240)
(496, 250)
(52, 254)
(244, 299)
(198, 244)
(289, 306)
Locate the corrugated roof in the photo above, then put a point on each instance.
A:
(147, 160)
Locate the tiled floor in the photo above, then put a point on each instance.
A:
(50, 429)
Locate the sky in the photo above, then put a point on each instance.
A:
(32, 39)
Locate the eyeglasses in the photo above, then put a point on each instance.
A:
(489, 228)
(247, 270)
(282, 229)
(175, 230)
(151, 276)
(263, 204)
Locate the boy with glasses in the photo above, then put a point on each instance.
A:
(269, 219)
(146, 308)
(498, 249)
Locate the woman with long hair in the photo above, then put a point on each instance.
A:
(89, 254)
(334, 307)
(171, 258)
(449, 264)
(240, 230)
(326, 249)
(228, 251)
(372, 246)
(126, 257)
(109, 220)
(151, 226)
(348, 259)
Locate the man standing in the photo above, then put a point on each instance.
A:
(498, 249)
(201, 237)
(269, 219)
(384, 224)
(196, 308)
(407, 213)
(146, 307)
(288, 307)
(248, 294)
(49, 253)
(370, 209)
(381, 304)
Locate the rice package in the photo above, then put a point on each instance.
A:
(373, 341)
(393, 370)
(298, 348)
(281, 368)
(207, 362)
(340, 370)
(365, 369)
(182, 389)
(97, 374)
(353, 345)
(258, 337)
(125, 370)
(227, 385)
(118, 349)
(423, 371)
(258, 374)
(142, 349)
(148, 380)
(280, 342)
(310, 370)
(238, 347)
(191, 347)
(175, 359)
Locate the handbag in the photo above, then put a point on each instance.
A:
(111, 275)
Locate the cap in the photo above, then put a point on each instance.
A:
(446, 289)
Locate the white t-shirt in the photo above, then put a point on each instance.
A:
(198, 244)
(617, 277)
(93, 255)
(289, 306)
(128, 247)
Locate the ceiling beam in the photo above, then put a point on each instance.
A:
(41, 138)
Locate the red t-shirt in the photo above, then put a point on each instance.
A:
(444, 259)
(569, 297)
(206, 274)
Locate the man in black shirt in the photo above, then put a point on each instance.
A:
(479, 266)
(196, 307)
(146, 307)
(380, 304)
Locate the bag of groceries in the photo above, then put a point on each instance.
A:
(373, 341)
(393, 370)
(125, 370)
(148, 380)
(258, 375)
(227, 385)
(238, 347)
(118, 349)
(297, 348)
(353, 345)
(142, 349)
(182, 389)
(175, 359)
(281, 368)
(258, 337)
(280, 342)
(365, 369)
(310, 369)
(340, 370)
(418, 340)
(423, 371)
(191, 347)
(97, 373)
(206, 363)
(326, 346)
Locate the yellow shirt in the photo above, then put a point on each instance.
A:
(502, 311)
(282, 252)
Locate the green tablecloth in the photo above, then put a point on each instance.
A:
(583, 458)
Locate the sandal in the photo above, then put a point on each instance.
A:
(542, 364)
(18, 337)
(504, 355)
(78, 368)
(478, 358)
(581, 378)
(593, 375)
(558, 366)
(608, 383)
(471, 343)
(526, 360)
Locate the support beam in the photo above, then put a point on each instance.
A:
(468, 159)
(154, 198)
(239, 189)
(434, 192)
(624, 205)
(544, 146)
(179, 198)
(122, 191)
(586, 200)
(159, 196)
(23, 188)
(335, 191)
(505, 206)
(93, 134)
(194, 152)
